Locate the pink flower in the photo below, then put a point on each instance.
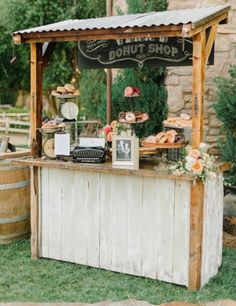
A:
(107, 129)
(194, 153)
(197, 167)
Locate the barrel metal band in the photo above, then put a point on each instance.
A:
(14, 219)
(14, 185)
(5, 237)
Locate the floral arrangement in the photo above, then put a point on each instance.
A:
(114, 128)
(196, 162)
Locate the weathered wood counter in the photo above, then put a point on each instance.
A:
(140, 222)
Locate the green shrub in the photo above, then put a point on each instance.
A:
(225, 108)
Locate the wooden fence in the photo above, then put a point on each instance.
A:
(14, 123)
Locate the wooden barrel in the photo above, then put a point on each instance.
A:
(14, 201)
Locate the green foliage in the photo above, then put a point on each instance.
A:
(150, 80)
(93, 94)
(23, 14)
(225, 108)
(140, 6)
(152, 100)
(26, 280)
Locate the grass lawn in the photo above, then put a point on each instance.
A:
(14, 110)
(23, 279)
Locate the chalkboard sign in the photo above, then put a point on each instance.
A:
(129, 53)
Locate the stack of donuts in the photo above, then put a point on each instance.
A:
(133, 117)
(168, 137)
(67, 89)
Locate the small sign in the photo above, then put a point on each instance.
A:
(62, 144)
(138, 52)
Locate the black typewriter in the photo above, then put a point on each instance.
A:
(89, 155)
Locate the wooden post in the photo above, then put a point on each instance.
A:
(198, 87)
(109, 71)
(34, 211)
(197, 190)
(36, 99)
(195, 238)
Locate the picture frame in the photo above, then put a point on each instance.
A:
(3, 143)
(125, 152)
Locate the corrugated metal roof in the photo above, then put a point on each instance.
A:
(196, 17)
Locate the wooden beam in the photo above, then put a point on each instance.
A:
(198, 87)
(211, 40)
(209, 24)
(50, 47)
(36, 99)
(34, 211)
(76, 38)
(76, 35)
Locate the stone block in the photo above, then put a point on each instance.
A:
(214, 122)
(175, 99)
(214, 2)
(214, 132)
(186, 80)
(225, 68)
(172, 80)
(187, 98)
(211, 139)
(222, 43)
(211, 110)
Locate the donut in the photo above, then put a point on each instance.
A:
(171, 132)
(159, 136)
(151, 139)
(69, 88)
(61, 90)
(130, 117)
(170, 138)
(128, 91)
(163, 139)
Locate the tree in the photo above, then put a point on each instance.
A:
(22, 14)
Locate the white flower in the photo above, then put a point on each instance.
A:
(203, 147)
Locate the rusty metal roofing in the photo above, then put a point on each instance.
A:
(196, 17)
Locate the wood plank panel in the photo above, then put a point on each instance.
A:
(44, 212)
(80, 218)
(134, 226)
(119, 222)
(165, 234)
(34, 211)
(149, 228)
(106, 236)
(181, 233)
(54, 213)
(212, 228)
(68, 207)
(220, 189)
(93, 208)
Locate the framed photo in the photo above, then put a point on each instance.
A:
(3, 143)
(125, 152)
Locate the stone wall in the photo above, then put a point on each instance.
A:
(179, 79)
